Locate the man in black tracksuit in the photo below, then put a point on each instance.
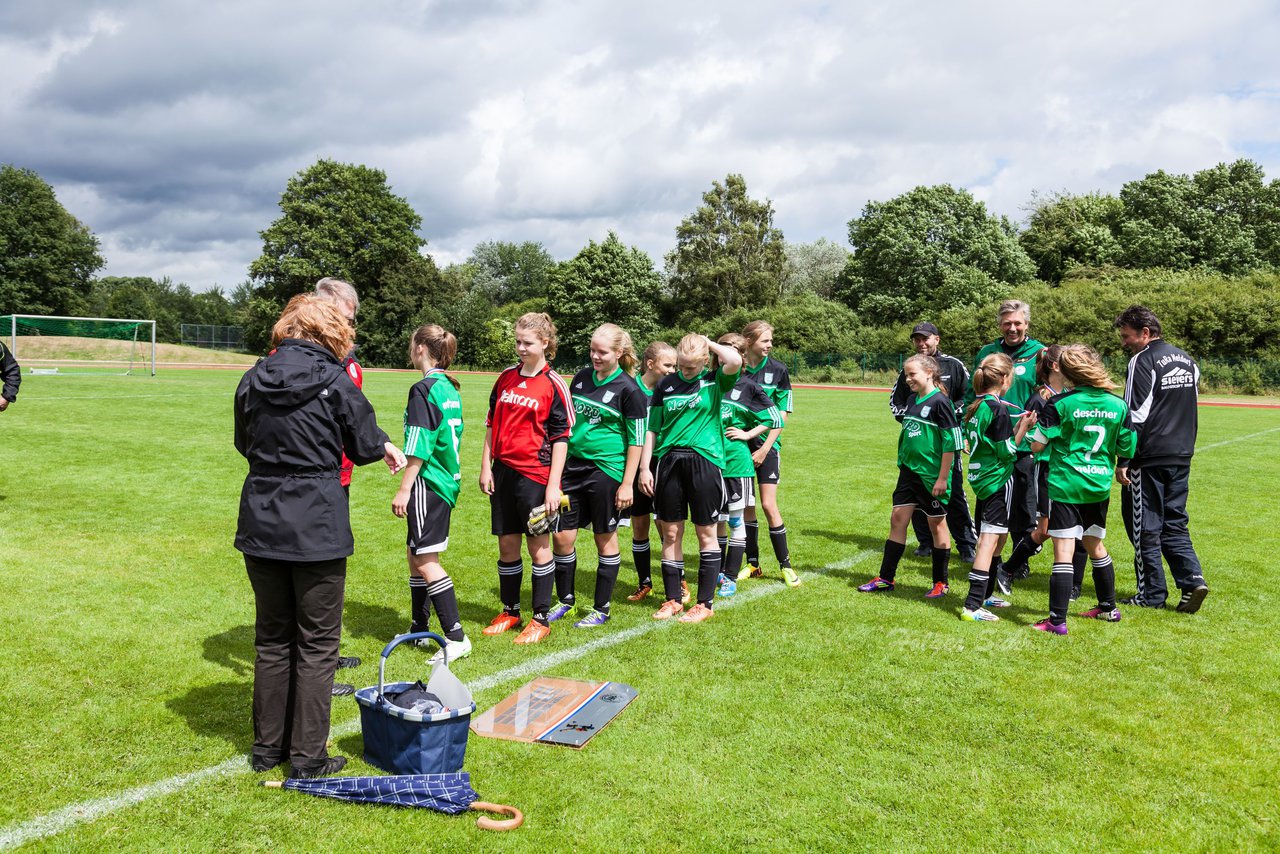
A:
(955, 380)
(11, 374)
(1161, 391)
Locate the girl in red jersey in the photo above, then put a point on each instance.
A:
(525, 445)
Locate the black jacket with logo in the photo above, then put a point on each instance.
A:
(955, 381)
(1162, 394)
(11, 374)
(295, 412)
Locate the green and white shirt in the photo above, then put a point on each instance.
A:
(989, 439)
(686, 414)
(929, 430)
(433, 433)
(772, 376)
(1086, 429)
(610, 415)
(746, 407)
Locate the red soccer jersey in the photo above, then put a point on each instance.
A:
(354, 371)
(527, 415)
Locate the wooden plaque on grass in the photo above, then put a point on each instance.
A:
(555, 711)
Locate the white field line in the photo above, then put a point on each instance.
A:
(87, 811)
(1237, 439)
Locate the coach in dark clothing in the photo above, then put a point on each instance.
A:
(11, 374)
(955, 380)
(295, 412)
(1162, 394)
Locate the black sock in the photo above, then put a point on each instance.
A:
(544, 582)
(737, 549)
(1059, 593)
(1104, 581)
(892, 556)
(1078, 561)
(566, 572)
(708, 572)
(1021, 553)
(996, 565)
(672, 575)
(510, 580)
(977, 588)
(724, 548)
(606, 580)
(778, 537)
(753, 542)
(640, 554)
(445, 601)
(419, 610)
(941, 558)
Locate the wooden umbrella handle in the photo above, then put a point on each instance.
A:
(486, 823)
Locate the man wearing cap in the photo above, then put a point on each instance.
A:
(954, 382)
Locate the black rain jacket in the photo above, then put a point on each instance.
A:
(295, 412)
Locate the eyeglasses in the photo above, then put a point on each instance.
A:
(351, 321)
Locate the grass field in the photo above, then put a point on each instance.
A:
(806, 719)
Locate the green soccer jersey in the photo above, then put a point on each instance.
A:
(433, 433)
(610, 415)
(1024, 369)
(772, 376)
(686, 414)
(989, 439)
(929, 430)
(1085, 429)
(746, 407)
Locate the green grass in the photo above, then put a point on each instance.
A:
(808, 719)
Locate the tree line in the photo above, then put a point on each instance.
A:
(1203, 250)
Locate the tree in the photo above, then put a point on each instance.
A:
(728, 253)
(1066, 230)
(47, 256)
(605, 281)
(407, 296)
(929, 249)
(511, 272)
(813, 267)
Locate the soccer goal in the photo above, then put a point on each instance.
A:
(57, 345)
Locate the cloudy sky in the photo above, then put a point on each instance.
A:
(170, 128)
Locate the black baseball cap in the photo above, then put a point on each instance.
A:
(925, 328)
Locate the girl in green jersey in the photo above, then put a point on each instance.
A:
(658, 361)
(429, 486)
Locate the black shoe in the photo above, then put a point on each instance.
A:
(345, 661)
(342, 689)
(332, 765)
(923, 551)
(967, 555)
(1020, 573)
(1075, 592)
(1003, 581)
(260, 764)
(1136, 601)
(1192, 599)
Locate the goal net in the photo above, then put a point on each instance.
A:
(59, 345)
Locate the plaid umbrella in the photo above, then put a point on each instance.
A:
(446, 793)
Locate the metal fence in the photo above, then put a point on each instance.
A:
(212, 337)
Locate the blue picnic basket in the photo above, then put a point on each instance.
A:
(401, 741)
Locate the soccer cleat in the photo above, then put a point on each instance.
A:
(967, 555)
(501, 623)
(561, 610)
(1004, 581)
(979, 615)
(1075, 592)
(1192, 599)
(456, 650)
(939, 590)
(1136, 601)
(789, 576)
(750, 571)
(685, 595)
(1111, 615)
(697, 614)
(346, 661)
(342, 689)
(533, 633)
(996, 602)
(593, 619)
(1046, 626)
(923, 551)
(726, 586)
(668, 610)
(642, 592)
(875, 585)
(1021, 572)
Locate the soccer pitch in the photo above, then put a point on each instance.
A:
(814, 718)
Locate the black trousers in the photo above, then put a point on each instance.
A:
(1154, 507)
(959, 521)
(299, 621)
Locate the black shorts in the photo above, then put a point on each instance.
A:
(1042, 489)
(514, 497)
(641, 504)
(992, 513)
(769, 471)
(912, 491)
(592, 498)
(1078, 520)
(428, 518)
(739, 492)
(688, 485)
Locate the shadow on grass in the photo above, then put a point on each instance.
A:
(362, 620)
(222, 710)
(233, 649)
